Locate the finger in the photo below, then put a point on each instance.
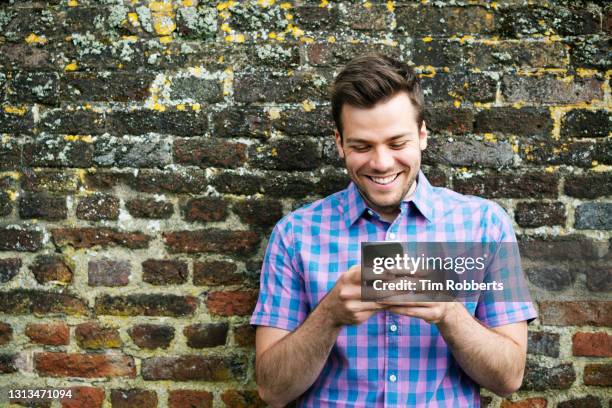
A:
(407, 304)
(358, 306)
(354, 274)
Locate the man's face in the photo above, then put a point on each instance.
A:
(381, 148)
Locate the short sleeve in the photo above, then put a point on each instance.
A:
(514, 303)
(282, 301)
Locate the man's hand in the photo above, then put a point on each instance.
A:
(343, 303)
(431, 312)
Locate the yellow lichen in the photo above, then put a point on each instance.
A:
(165, 39)
(274, 152)
(195, 107)
(307, 105)
(78, 138)
(225, 5)
(391, 6)
(133, 19)
(188, 3)
(73, 3)
(265, 3)
(274, 113)
(307, 40)
(12, 195)
(427, 39)
(285, 6)
(550, 169)
(180, 107)
(489, 137)
(331, 39)
(238, 38)
(36, 39)
(15, 110)
(324, 3)
(601, 168)
(367, 4)
(457, 103)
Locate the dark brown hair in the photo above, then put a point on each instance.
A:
(370, 79)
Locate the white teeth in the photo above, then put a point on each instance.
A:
(384, 180)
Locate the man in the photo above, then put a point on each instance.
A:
(316, 341)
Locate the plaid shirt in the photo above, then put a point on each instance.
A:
(389, 360)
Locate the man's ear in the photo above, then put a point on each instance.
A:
(423, 137)
(339, 143)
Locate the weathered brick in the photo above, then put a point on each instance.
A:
(598, 277)
(197, 89)
(209, 152)
(16, 120)
(474, 87)
(559, 248)
(548, 89)
(104, 237)
(133, 398)
(467, 152)
(30, 301)
(533, 184)
(151, 336)
(527, 21)
(102, 179)
(7, 363)
(259, 212)
(108, 272)
(9, 267)
(212, 273)
(34, 87)
(244, 336)
(576, 313)
(232, 303)
(57, 151)
(106, 86)
(269, 87)
(339, 53)
(211, 240)
(250, 17)
(313, 17)
(451, 120)
(84, 365)
(523, 121)
(205, 209)
(98, 207)
(10, 153)
(6, 333)
(93, 336)
(169, 121)
(247, 121)
(90, 397)
(12, 239)
(541, 378)
(189, 398)
(240, 184)
(283, 185)
(421, 20)
(48, 268)
(145, 305)
(543, 343)
(73, 121)
(598, 374)
(549, 152)
(592, 344)
(204, 335)
(588, 185)
(537, 214)
(329, 183)
(242, 399)
(58, 181)
(164, 271)
(286, 154)
(166, 181)
(24, 56)
(52, 334)
(525, 403)
(591, 52)
(43, 206)
(586, 123)
(590, 401)
(194, 368)
(148, 150)
(149, 208)
(594, 216)
(552, 277)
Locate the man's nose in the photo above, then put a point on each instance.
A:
(381, 160)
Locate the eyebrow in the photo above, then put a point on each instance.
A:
(392, 138)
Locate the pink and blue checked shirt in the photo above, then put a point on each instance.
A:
(389, 360)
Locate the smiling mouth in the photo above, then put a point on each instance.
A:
(384, 180)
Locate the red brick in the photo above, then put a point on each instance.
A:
(53, 334)
(189, 399)
(211, 240)
(31, 301)
(6, 333)
(576, 313)
(151, 336)
(146, 305)
(598, 374)
(526, 403)
(244, 335)
(164, 271)
(49, 268)
(20, 240)
(215, 273)
(242, 399)
(108, 272)
(232, 303)
(98, 207)
(90, 237)
(7, 363)
(84, 397)
(205, 209)
(195, 367)
(592, 344)
(84, 365)
(133, 398)
(209, 153)
(92, 335)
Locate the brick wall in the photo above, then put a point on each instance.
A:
(147, 148)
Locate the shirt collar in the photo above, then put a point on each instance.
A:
(423, 198)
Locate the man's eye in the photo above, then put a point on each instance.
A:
(360, 148)
(398, 145)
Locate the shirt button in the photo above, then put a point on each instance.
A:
(393, 328)
(392, 378)
(392, 235)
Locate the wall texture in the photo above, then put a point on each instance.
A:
(147, 148)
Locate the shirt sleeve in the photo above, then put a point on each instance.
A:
(282, 301)
(513, 304)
